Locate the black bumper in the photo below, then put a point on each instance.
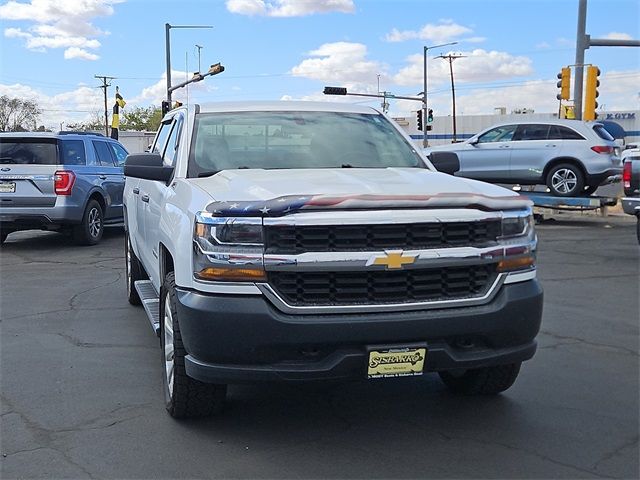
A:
(601, 178)
(241, 339)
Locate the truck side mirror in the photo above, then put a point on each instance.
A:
(147, 166)
(445, 162)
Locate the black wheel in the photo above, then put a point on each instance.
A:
(184, 396)
(590, 190)
(134, 270)
(90, 231)
(482, 381)
(565, 180)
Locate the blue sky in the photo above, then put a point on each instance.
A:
(290, 49)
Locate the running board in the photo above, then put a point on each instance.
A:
(150, 302)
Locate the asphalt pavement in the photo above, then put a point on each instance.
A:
(81, 384)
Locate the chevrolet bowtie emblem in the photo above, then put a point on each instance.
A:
(392, 259)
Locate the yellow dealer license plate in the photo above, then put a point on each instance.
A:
(396, 362)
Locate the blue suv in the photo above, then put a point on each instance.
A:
(67, 181)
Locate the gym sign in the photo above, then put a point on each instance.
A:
(621, 116)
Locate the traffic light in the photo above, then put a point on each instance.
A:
(419, 118)
(166, 107)
(335, 91)
(215, 69)
(430, 115)
(591, 93)
(564, 84)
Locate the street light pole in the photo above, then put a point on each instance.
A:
(425, 141)
(167, 29)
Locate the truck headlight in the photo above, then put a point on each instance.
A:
(519, 239)
(228, 249)
(517, 226)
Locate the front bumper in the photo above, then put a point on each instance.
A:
(244, 339)
(631, 205)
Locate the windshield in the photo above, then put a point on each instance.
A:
(297, 140)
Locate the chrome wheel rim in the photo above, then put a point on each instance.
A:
(169, 355)
(94, 222)
(564, 180)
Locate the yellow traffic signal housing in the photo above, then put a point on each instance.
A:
(564, 84)
(591, 93)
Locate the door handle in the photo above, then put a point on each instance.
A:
(136, 191)
(102, 177)
(145, 198)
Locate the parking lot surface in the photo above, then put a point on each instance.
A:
(81, 384)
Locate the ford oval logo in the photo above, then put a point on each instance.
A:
(5, 169)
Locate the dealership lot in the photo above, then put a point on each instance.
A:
(82, 398)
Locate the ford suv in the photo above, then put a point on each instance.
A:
(67, 181)
(571, 157)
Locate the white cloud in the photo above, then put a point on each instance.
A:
(618, 36)
(288, 8)
(75, 52)
(475, 66)
(444, 31)
(341, 62)
(58, 23)
(543, 45)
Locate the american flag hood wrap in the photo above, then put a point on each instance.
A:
(290, 204)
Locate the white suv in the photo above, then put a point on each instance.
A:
(571, 157)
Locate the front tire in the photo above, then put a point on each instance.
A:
(482, 381)
(90, 230)
(134, 272)
(184, 396)
(565, 180)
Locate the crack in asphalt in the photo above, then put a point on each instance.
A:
(76, 342)
(45, 437)
(72, 299)
(630, 443)
(46, 312)
(577, 340)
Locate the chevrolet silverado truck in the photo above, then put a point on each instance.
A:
(631, 183)
(300, 241)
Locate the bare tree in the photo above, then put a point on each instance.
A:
(17, 114)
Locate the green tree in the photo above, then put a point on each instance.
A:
(142, 119)
(17, 114)
(96, 123)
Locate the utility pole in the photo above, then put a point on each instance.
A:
(106, 83)
(451, 58)
(583, 42)
(425, 110)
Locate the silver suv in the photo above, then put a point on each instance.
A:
(571, 157)
(65, 181)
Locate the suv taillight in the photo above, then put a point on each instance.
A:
(602, 149)
(63, 181)
(626, 175)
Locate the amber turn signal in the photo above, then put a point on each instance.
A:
(517, 263)
(222, 274)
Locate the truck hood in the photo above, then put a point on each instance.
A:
(410, 185)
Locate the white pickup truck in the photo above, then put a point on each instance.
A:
(298, 241)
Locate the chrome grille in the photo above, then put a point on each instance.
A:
(292, 239)
(382, 286)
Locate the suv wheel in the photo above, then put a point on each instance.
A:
(134, 271)
(565, 180)
(482, 381)
(90, 230)
(184, 396)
